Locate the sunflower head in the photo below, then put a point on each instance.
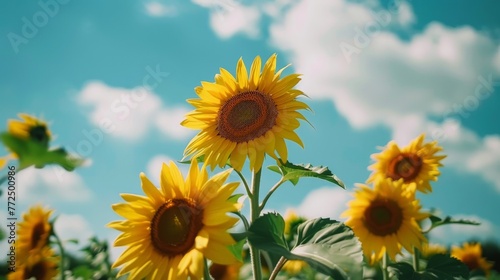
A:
(247, 116)
(33, 233)
(472, 256)
(292, 221)
(29, 128)
(430, 249)
(385, 219)
(225, 272)
(415, 165)
(42, 267)
(171, 229)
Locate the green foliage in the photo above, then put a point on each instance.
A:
(439, 267)
(437, 221)
(293, 173)
(326, 245)
(31, 152)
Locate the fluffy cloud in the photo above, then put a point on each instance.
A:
(157, 9)
(131, 113)
(324, 202)
(229, 17)
(51, 185)
(73, 226)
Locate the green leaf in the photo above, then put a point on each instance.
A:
(34, 153)
(437, 221)
(234, 198)
(266, 233)
(439, 266)
(83, 271)
(237, 249)
(330, 247)
(293, 173)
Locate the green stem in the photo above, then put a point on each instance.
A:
(385, 260)
(243, 219)
(249, 193)
(61, 252)
(416, 258)
(273, 189)
(277, 268)
(206, 272)
(254, 214)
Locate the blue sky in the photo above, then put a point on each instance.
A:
(374, 71)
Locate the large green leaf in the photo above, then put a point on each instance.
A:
(266, 233)
(330, 247)
(34, 153)
(439, 267)
(437, 221)
(293, 173)
(326, 245)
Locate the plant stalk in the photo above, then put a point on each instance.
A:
(277, 268)
(254, 214)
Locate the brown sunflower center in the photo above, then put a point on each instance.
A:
(471, 261)
(246, 116)
(38, 271)
(406, 166)
(383, 217)
(175, 225)
(37, 234)
(39, 133)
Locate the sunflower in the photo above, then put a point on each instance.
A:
(385, 220)
(29, 128)
(294, 267)
(171, 229)
(430, 249)
(292, 221)
(415, 164)
(472, 256)
(33, 233)
(225, 272)
(43, 267)
(247, 116)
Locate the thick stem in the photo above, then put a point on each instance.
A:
(63, 255)
(277, 268)
(206, 272)
(416, 258)
(254, 214)
(249, 193)
(385, 260)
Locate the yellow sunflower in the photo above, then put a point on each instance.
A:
(247, 116)
(29, 128)
(43, 267)
(385, 220)
(472, 256)
(292, 221)
(415, 164)
(294, 267)
(430, 249)
(33, 234)
(171, 229)
(225, 272)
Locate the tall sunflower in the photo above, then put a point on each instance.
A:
(385, 219)
(43, 267)
(247, 116)
(472, 256)
(33, 234)
(171, 229)
(28, 128)
(415, 164)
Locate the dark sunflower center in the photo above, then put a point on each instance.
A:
(246, 116)
(39, 133)
(383, 217)
(38, 271)
(36, 235)
(175, 225)
(470, 261)
(406, 166)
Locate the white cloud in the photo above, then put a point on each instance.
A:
(50, 185)
(157, 9)
(405, 15)
(131, 113)
(456, 234)
(73, 226)
(324, 202)
(229, 17)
